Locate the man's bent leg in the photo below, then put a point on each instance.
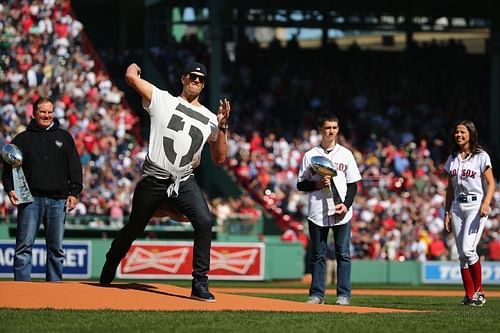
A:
(193, 204)
(148, 196)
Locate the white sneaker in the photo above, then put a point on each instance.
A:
(478, 299)
(343, 300)
(315, 300)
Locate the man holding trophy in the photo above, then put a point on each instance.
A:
(329, 174)
(42, 176)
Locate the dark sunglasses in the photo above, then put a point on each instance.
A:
(193, 77)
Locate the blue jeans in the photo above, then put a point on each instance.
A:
(51, 213)
(319, 243)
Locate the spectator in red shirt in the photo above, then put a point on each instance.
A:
(437, 248)
(494, 248)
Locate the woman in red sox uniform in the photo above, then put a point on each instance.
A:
(470, 189)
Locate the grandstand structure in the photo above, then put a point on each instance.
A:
(144, 23)
(409, 17)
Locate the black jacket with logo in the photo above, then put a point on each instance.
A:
(51, 162)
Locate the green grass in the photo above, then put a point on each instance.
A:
(443, 314)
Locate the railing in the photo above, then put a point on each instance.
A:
(103, 226)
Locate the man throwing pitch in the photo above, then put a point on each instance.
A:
(180, 126)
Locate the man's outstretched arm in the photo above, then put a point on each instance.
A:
(133, 78)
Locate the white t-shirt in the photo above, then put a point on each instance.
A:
(347, 173)
(178, 133)
(466, 174)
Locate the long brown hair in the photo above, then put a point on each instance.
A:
(474, 145)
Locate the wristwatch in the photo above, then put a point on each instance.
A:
(224, 128)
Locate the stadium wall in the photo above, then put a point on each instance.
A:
(233, 258)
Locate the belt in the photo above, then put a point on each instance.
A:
(466, 198)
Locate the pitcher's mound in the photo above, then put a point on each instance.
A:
(138, 296)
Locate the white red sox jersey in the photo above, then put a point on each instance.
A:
(467, 174)
(469, 186)
(347, 173)
(177, 134)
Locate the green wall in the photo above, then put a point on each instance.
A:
(385, 272)
(283, 260)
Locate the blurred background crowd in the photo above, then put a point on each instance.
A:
(396, 112)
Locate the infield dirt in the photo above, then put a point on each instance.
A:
(161, 297)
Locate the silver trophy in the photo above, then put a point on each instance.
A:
(324, 167)
(12, 155)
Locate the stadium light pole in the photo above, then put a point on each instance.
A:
(494, 51)
(215, 9)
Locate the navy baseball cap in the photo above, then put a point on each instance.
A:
(196, 68)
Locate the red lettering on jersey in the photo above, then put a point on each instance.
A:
(468, 173)
(453, 172)
(341, 167)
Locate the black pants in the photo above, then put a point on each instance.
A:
(148, 195)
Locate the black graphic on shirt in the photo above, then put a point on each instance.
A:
(177, 124)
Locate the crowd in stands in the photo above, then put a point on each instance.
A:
(395, 112)
(44, 54)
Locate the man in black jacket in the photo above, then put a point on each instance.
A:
(54, 174)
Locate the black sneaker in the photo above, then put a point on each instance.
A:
(108, 272)
(478, 299)
(467, 300)
(199, 291)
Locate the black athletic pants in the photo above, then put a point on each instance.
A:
(148, 195)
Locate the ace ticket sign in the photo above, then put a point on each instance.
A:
(77, 259)
(173, 260)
